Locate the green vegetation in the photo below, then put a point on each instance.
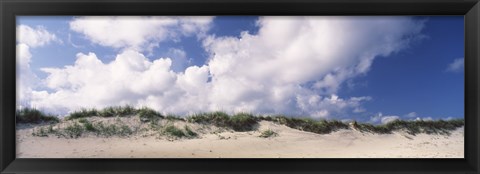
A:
(83, 113)
(414, 127)
(266, 118)
(87, 125)
(237, 122)
(77, 129)
(118, 111)
(172, 117)
(189, 132)
(101, 129)
(310, 125)
(242, 122)
(74, 130)
(172, 131)
(43, 132)
(148, 115)
(364, 127)
(268, 133)
(32, 115)
(145, 114)
(112, 111)
(218, 118)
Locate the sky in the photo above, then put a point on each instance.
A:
(367, 68)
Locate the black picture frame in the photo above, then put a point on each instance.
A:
(11, 8)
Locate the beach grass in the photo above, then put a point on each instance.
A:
(310, 125)
(148, 115)
(189, 132)
(239, 122)
(172, 117)
(32, 115)
(120, 111)
(82, 113)
(110, 111)
(109, 130)
(43, 132)
(414, 127)
(268, 133)
(74, 130)
(173, 131)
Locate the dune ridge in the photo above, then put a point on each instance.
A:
(134, 136)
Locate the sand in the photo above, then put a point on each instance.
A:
(290, 143)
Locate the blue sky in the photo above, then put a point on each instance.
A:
(373, 69)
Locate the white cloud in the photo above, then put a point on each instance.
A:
(379, 118)
(359, 110)
(23, 56)
(388, 119)
(293, 66)
(34, 37)
(411, 114)
(376, 118)
(456, 66)
(92, 83)
(288, 52)
(180, 61)
(28, 38)
(451, 118)
(138, 32)
(25, 78)
(424, 119)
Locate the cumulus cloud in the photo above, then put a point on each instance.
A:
(376, 118)
(34, 37)
(411, 114)
(388, 119)
(359, 110)
(138, 32)
(424, 119)
(456, 66)
(288, 53)
(180, 61)
(293, 66)
(379, 118)
(89, 82)
(28, 38)
(25, 78)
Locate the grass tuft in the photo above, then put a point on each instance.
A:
(268, 133)
(172, 131)
(172, 117)
(74, 130)
(189, 132)
(237, 122)
(87, 125)
(310, 125)
(33, 115)
(118, 111)
(43, 132)
(413, 127)
(148, 115)
(112, 111)
(83, 113)
(242, 122)
(111, 130)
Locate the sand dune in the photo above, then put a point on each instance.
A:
(290, 143)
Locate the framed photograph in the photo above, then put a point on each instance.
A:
(239, 87)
